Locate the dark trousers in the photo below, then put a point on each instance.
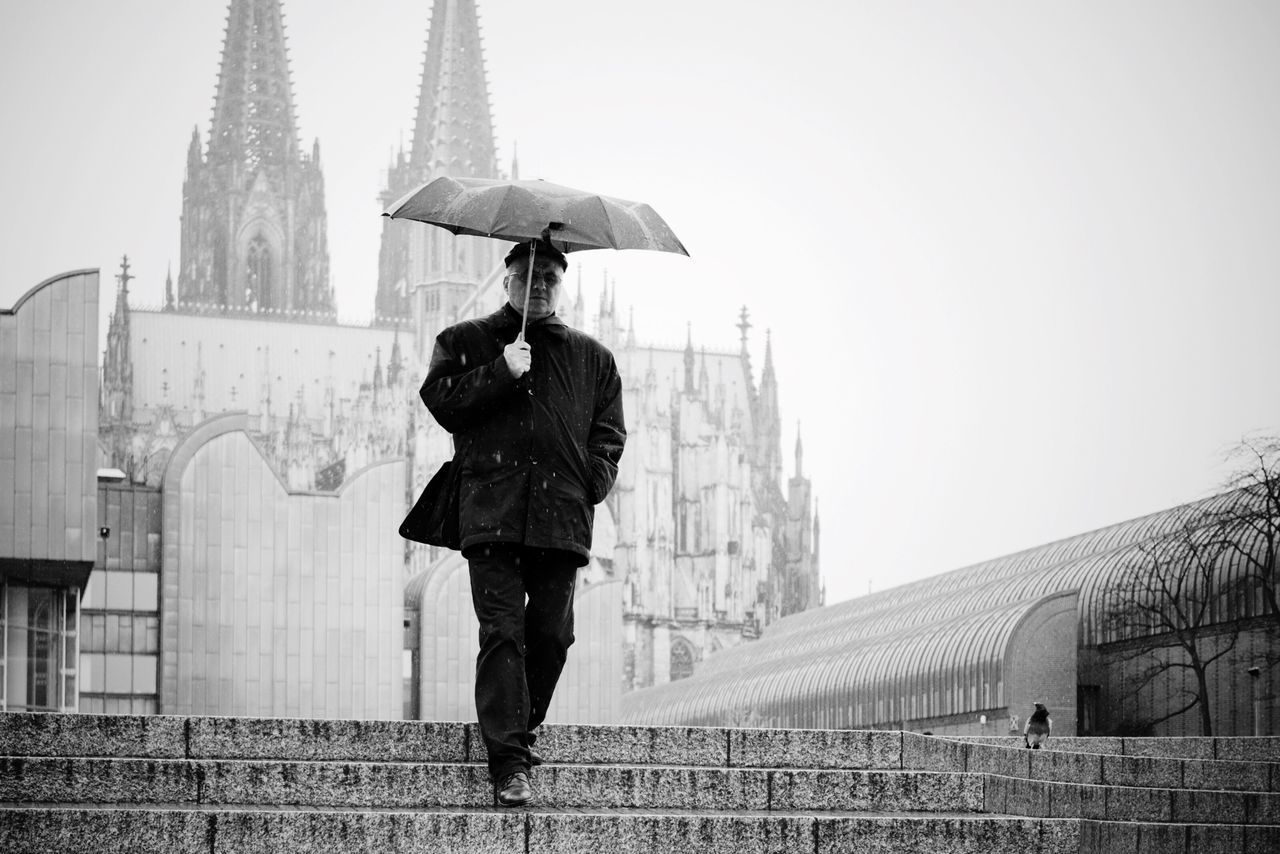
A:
(523, 644)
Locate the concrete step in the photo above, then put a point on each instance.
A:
(1116, 837)
(1103, 769)
(174, 737)
(1265, 748)
(71, 830)
(1130, 803)
(237, 784)
(61, 780)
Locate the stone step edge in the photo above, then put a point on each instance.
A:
(535, 809)
(1035, 799)
(1218, 747)
(931, 753)
(585, 766)
(623, 766)
(997, 794)
(58, 780)
(529, 829)
(173, 736)
(282, 739)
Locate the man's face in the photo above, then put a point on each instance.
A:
(547, 277)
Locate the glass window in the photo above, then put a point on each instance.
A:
(92, 667)
(113, 633)
(144, 674)
(93, 591)
(146, 591)
(126, 633)
(96, 637)
(38, 633)
(140, 626)
(119, 591)
(119, 673)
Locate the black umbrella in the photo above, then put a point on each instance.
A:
(569, 219)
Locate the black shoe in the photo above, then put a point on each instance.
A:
(534, 758)
(514, 790)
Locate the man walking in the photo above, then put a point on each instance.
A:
(538, 431)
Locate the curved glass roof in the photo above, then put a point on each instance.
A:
(941, 641)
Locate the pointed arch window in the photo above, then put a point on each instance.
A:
(258, 267)
(681, 659)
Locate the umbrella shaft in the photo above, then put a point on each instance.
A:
(528, 286)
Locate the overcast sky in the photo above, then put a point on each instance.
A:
(1021, 260)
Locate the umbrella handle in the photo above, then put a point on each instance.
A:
(528, 286)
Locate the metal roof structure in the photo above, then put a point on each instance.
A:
(939, 646)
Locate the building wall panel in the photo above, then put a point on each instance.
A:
(49, 422)
(273, 628)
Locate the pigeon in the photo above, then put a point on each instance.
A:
(1038, 726)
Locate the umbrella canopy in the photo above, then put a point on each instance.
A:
(524, 210)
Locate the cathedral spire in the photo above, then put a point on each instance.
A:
(117, 374)
(168, 288)
(254, 229)
(452, 135)
(768, 417)
(453, 130)
(799, 453)
(767, 374)
(253, 116)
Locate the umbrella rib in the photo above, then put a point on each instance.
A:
(643, 222)
(604, 209)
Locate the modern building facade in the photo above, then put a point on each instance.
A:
(48, 488)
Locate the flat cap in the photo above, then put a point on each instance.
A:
(542, 247)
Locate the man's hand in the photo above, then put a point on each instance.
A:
(518, 357)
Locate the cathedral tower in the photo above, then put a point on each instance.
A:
(452, 135)
(253, 216)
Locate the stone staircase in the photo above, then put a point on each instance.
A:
(72, 783)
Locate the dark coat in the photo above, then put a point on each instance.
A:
(536, 454)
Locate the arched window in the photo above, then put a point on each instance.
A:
(681, 659)
(258, 268)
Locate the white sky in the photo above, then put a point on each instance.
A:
(1019, 258)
